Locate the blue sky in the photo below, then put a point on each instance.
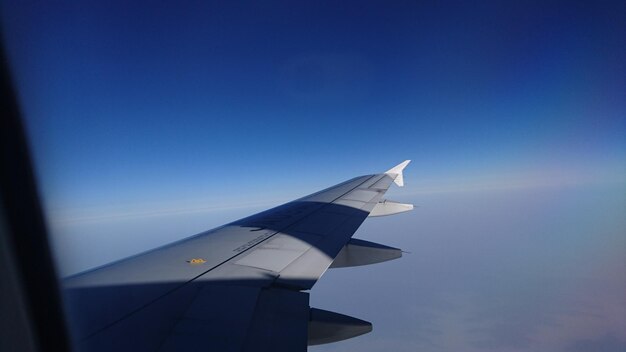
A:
(122, 99)
(151, 122)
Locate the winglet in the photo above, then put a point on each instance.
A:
(396, 172)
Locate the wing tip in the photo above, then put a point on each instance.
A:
(396, 172)
(398, 168)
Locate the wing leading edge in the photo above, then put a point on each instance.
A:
(239, 287)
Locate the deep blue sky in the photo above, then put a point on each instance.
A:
(128, 102)
(150, 122)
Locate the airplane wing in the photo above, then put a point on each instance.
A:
(240, 287)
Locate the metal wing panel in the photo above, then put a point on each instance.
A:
(333, 224)
(288, 246)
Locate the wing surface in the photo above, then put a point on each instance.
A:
(239, 287)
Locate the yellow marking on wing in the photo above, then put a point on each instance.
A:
(196, 261)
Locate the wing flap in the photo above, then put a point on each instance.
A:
(387, 207)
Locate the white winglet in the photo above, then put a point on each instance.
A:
(396, 172)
